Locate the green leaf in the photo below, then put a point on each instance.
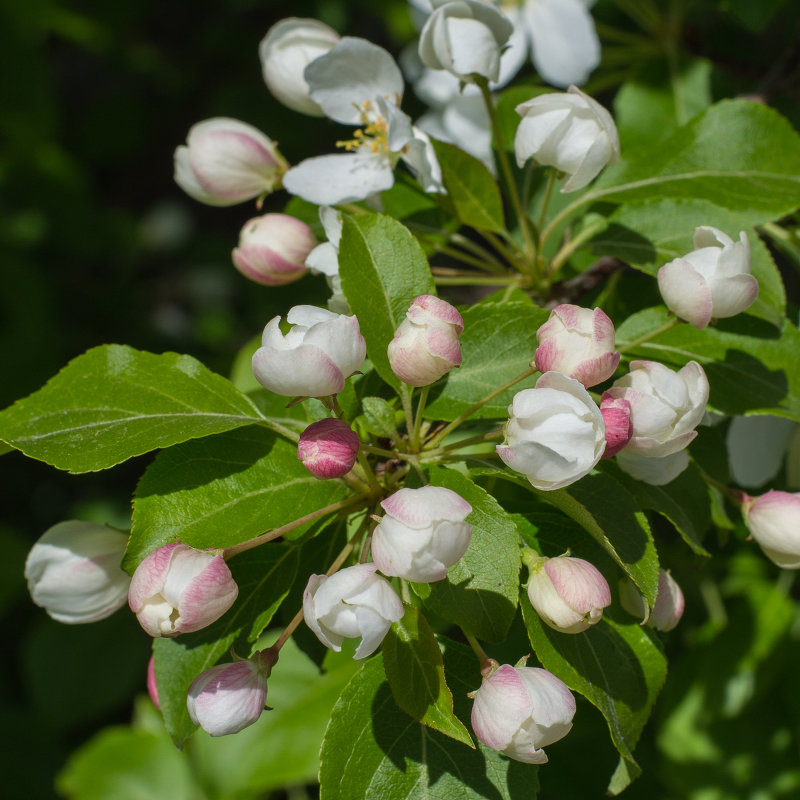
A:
(684, 501)
(114, 402)
(379, 417)
(471, 188)
(738, 154)
(752, 368)
(383, 268)
(223, 490)
(480, 591)
(649, 233)
(415, 669)
(618, 668)
(264, 577)
(373, 750)
(498, 343)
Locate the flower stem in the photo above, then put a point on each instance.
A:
(405, 399)
(430, 455)
(670, 323)
(423, 398)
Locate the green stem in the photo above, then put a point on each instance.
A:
(513, 258)
(552, 175)
(448, 429)
(423, 399)
(430, 455)
(481, 264)
(405, 399)
(670, 323)
(276, 427)
(477, 280)
(570, 247)
(378, 451)
(476, 647)
(290, 629)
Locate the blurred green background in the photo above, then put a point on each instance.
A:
(99, 245)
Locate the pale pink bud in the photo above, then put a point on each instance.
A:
(569, 594)
(73, 571)
(711, 282)
(422, 534)
(152, 686)
(350, 603)
(578, 342)
(229, 697)
(426, 345)
(226, 161)
(520, 710)
(619, 428)
(177, 589)
(314, 357)
(667, 609)
(328, 448)
(273, 249)
(774, 522)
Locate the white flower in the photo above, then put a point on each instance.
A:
(774, 522)
(314, 357)
(359, 83)
(520, 710)
(73, 571)
(555, 434)
(422, 534)
(667, 609)
(569, 131)
(350, 603)
(177, 589)
(711, 282)
(288, 48)
(226, 161)
(465, 37)
(324, 258)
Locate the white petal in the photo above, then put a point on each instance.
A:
(655, 471)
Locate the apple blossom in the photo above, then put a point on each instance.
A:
(73, 571)
(177, 589)
(229, 697)
(273, 249)
(579, 342)
(568, 593)
(711, 282)
(667, 609)
(359, 83)
(619, 428)
(425, 346)
(555, 434)
(569, 131)
(226, 161)
(422, 534)
(465, 37)
(314, 357)
(350, 603)
(328, 448)
(324, 258)
(774, 522)
(520, 710)
(288, 48)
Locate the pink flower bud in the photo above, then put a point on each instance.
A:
(667, 609)
(226, 161)
(426, 345)
(152, 686)
(774, 522)
(328, 448)
(520, 710)
(314, 357)
(229, 697)
(273, 249)
(352, 602)
(619, 428)
(578, 342)
(569, 594)
(422, 534)
(711, 282)
(177, 589)
(73, 571)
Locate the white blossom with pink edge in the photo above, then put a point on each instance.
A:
(328, 448)
(619, 428)
(350, 603)
(667, 609)
(422, 534)
(568, 593)
(225, 162)
(555, 434)
(425, 346)
(273, 249)
(578, 342)
(520, 710)
(177, 589)
(711, 282)
(314, 358)
(73, 571)
(230, 697)
(774, 522)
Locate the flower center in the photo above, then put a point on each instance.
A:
(374, 134)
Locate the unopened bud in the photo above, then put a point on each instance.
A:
(328, 448)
